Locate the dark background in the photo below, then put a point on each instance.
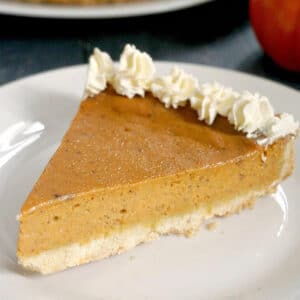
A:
(217, 33)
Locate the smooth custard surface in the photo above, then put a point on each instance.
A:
(114, 141)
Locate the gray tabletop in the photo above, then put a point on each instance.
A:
(217, 33)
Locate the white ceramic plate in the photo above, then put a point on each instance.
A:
(148, 7)
(254, 255)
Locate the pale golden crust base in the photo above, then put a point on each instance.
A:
(75, 254)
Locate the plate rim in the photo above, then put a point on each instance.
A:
(95, 11)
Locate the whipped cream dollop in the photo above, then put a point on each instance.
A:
(220, 96)
(135, 73)
(175, 89)
(101, 71)
(250, 113)
(206, 108)
(212, 99)
(278, 127)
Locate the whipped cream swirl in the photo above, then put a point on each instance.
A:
(101, 71)
(135, 73)
(175, 89)
(278, 127)
(250, 113)
(212, 99)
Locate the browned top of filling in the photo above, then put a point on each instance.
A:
(114, 140)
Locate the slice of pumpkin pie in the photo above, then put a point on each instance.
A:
(148, 155)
